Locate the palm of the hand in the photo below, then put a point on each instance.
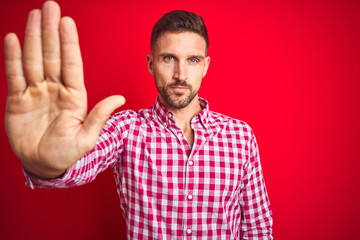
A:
(46, 118)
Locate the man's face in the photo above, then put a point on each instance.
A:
(178, 63)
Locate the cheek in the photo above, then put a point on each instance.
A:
(197, 70)
(163, 74)
(164, 70)
(196, 74)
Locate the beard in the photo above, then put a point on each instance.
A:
(177, 100)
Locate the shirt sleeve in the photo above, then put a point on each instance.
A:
(109, 146)
(256, 222)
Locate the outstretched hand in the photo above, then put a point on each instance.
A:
(46, 110)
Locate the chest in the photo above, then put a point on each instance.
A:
(212, 168)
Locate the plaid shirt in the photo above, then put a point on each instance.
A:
(168, 190)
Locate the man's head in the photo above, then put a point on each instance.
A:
(179, 21)
(179, 45)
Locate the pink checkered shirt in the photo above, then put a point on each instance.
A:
(168, 190)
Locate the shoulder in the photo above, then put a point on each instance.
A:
(231, 124)
(120, 121)
(129, 117)
(122, 117)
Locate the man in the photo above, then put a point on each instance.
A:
(182, 171)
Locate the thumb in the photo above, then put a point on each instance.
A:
(100, 114)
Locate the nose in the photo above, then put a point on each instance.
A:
(181, 72)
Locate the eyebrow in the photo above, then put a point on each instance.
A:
(172, 55)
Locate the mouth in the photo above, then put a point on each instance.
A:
(179, 89)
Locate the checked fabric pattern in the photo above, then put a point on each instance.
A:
(168, 190)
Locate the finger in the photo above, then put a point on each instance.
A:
(100, 114)
(14, 73)
(33, 65)
(51, 41)
(71, 62)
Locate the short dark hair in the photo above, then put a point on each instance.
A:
(179, 21)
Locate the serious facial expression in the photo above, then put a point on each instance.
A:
(178, 63)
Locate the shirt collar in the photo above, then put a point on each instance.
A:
(166, 117)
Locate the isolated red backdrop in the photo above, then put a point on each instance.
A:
(288, 68)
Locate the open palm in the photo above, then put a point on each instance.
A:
(46, 110)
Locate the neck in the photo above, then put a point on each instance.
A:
(184, 115)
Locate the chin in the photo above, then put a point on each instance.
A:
(176, 100)
(179, 102)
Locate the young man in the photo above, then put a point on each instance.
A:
(182, 171)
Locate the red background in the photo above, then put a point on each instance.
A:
(288, 68)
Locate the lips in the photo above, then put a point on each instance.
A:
(179, 85)
(179, 90)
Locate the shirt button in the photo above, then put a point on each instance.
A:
(164, 124)
(191, 163)
(188, 231)
(169, 114)
(190, 196)
(180, 134)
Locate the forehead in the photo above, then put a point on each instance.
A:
(180, 43)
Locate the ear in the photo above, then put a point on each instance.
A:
(149, 59)
(206, 66)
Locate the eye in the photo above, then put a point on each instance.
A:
(194, 60)
(169, 58)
